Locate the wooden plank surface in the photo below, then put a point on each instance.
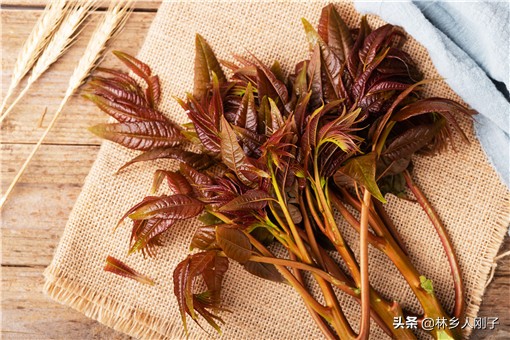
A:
(21, 126)
(142, 5)
(35, 216)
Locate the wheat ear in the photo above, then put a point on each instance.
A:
(113, 20)
(59, 43)
(32, 47)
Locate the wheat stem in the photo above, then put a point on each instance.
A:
(112, 22)
(29, 158)
(13, 104)
(32, 47)
(59, 43)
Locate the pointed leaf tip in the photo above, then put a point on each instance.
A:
(205, 63)
(175, 207)
(119, 268)
(250, 200)
(362, 170)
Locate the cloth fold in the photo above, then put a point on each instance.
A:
(462, 186)
(468, 43)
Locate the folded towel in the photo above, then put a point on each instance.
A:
(469, 45)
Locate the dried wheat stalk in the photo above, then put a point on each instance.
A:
(32, 47)
(113, 20)
(59, 43)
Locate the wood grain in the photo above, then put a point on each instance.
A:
(142, 5)
(28, 314)
(21, 126)
(34, 218)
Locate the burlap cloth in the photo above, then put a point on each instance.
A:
(462, 186)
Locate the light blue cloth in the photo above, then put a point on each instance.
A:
(469, 43)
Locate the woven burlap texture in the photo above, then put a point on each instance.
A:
(462, 186)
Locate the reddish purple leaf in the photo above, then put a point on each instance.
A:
(139, 68)
(234, 243)
(175, 207)
(119, 268)
(140, 135)
(204, 238)
(334, 31)
(250, 200)
(195, 160)
(264, 270)
(205, 64)
(147, 236)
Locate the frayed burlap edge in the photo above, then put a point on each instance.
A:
(496, 241)
(106, 310)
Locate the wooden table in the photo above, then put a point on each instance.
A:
(34, 217)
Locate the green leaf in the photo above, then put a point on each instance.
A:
(362, 170)
(140, 135)
(175, 207)
(205, 64)
(442, 335)
(393, 184)
(300, 83)
(276, 69)
(426, 284)
(234, 243)
(250, 200)
(311, 34)
(264, 270)
(208, 219)
(261, 233)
